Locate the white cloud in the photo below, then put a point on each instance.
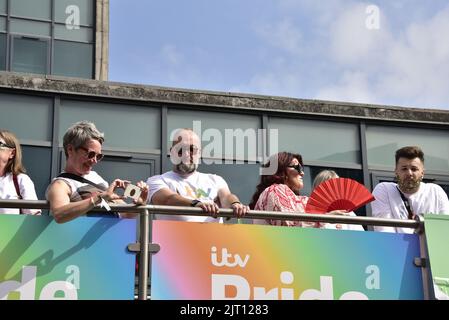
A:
(283, 35)
(409, 68)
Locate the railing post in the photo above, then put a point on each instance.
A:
(143, 262)
(424, 260)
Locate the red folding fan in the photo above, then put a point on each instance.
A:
(338, 194)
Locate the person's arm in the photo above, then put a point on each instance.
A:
(230, 200)
(60, 206)
(63, 210)
(443, 201)
(166, 197)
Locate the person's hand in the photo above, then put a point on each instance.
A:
(210, 208)
(239, 209)
(110, 195)
(145, 189)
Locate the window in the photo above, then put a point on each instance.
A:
(80, 56)
(126, 127)
(30, 55)
(37, 161)
(319, 141)
(29, 117)
(27, 27)
(48, 37)
(68, 10)
(223, 135)
(3, 7)
(36, 9)
(2, 24)
(2, 51)
(382, 143)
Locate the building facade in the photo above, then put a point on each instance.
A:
(356, 140)
(58, 37)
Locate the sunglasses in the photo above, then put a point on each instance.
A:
(4, 146)
(297, 167)
(191, 148)
(92, 154)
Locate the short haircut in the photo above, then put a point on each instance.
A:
(80, 133)
(410, 152)
(323, 176)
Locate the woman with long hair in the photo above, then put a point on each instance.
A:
(14, 183)
(280, 191)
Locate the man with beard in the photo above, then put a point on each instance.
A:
(409, 196)
(185, 186)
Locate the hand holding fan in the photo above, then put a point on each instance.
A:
(338, 194)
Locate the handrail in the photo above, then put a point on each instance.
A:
(145, 210)
(253, 214)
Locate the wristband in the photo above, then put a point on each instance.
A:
(194, 202)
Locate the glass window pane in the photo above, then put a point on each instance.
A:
(73, 59)
(30, 27)
(3, 24)
(82, 34)
(382, 143)
(28, 117)
(111, 168)
(39, 9)
(29, 55)
(316, 140)
(223, 135)
(126, 127)
(75, 12)
(3, 6)
(2, 51)
(37, 161)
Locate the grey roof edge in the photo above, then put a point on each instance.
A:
(149, 93)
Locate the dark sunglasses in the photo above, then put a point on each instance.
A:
(92, 154)
(4, 145)
(297, 167)
(191, 148)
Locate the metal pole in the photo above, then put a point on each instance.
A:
(424, 257)
(143, 262)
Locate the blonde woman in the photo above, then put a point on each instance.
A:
(14, 183)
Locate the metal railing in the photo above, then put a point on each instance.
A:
(143, 246)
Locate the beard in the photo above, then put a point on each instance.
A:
(409, 184)
(186, 168)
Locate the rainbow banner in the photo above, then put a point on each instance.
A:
(437, 236)
(216, 261)
(82, 259)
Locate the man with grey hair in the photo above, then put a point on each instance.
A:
(185, 186)
(79, 189)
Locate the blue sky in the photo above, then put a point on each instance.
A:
(328, 50)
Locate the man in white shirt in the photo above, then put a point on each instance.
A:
(185, 186)
(410, 196)
(417, 197)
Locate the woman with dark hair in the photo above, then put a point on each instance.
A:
(14, 183)
(280, 191)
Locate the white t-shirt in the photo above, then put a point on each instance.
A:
(8, 192)
(344, 226)
(430, 198)
(201, 186)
